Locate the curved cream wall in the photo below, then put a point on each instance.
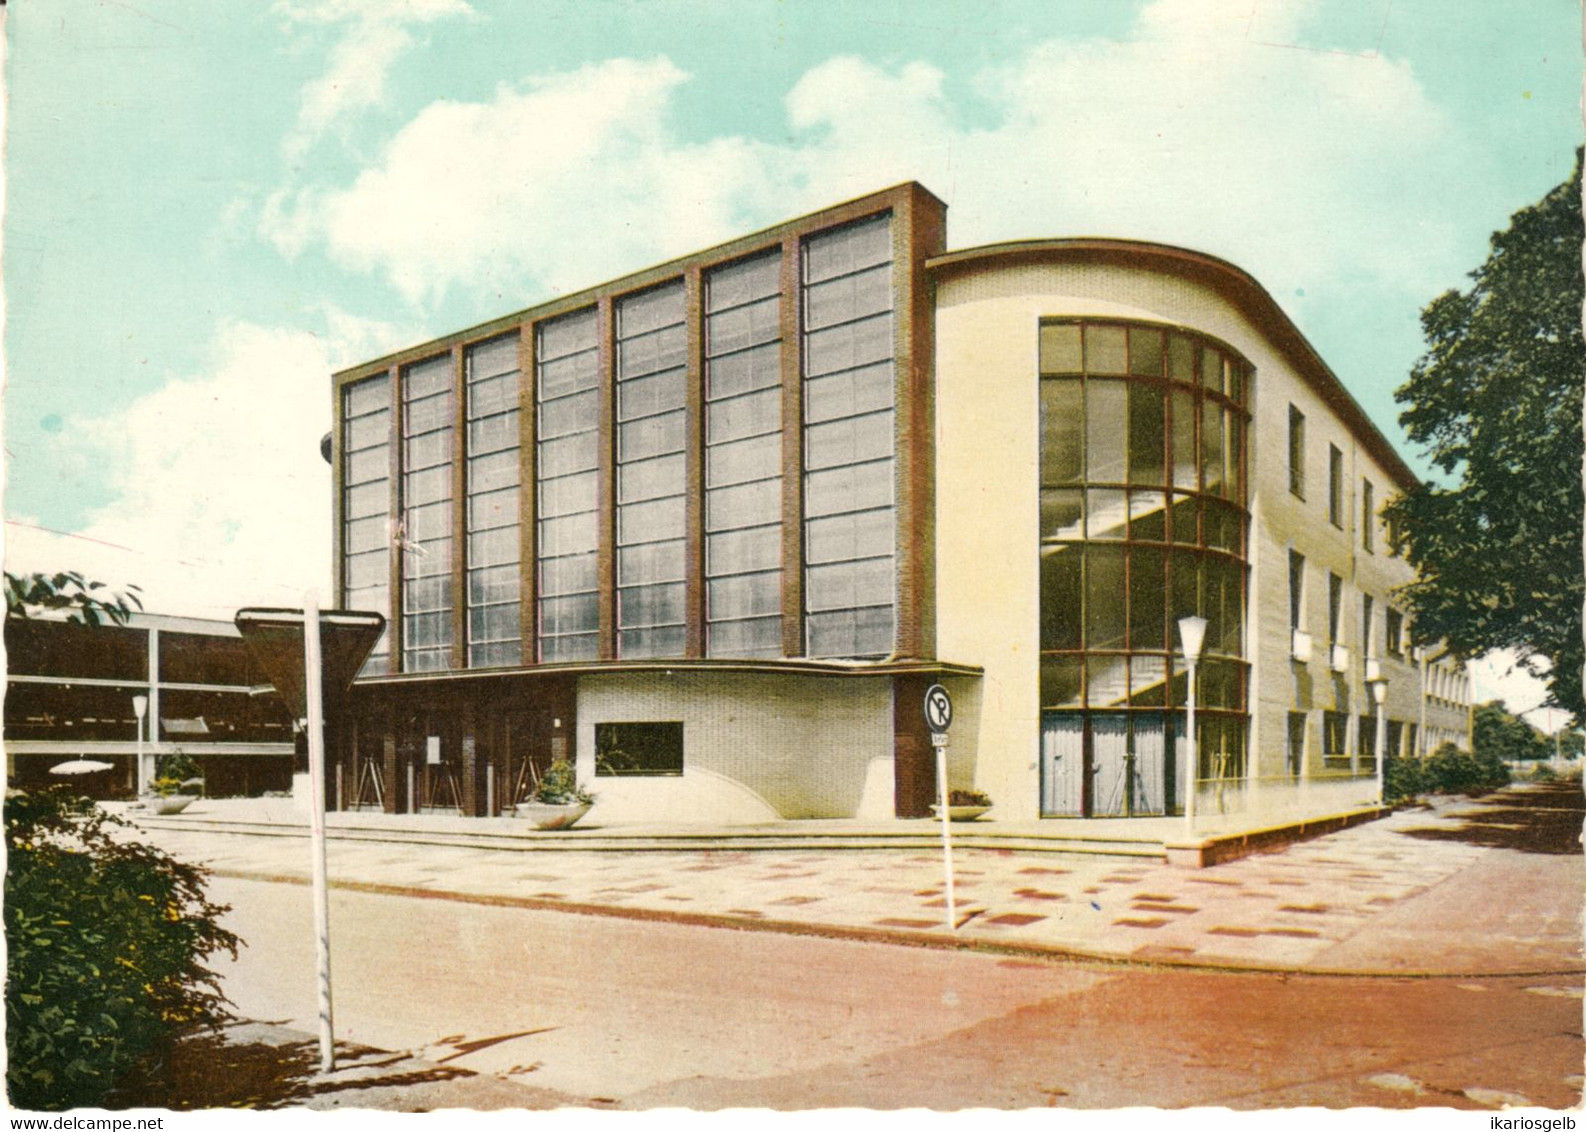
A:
(987, 502)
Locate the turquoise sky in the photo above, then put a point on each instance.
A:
(209, 205)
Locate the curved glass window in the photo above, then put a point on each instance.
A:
(1143, 521)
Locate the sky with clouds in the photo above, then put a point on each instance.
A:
(211, 206)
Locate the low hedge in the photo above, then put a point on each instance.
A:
(1447, 770)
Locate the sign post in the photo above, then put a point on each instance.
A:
(939, 717)
(292, 647)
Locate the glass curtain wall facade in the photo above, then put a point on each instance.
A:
(1142, 521)
(494, 613)
(743, 459)
(652, 478)
(426, 533)
(701, 462)
(849, 394)
(366, 507)
(567, 459)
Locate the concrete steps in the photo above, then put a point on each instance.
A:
(924, 836)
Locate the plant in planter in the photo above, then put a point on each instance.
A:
(558, 800)
(965, 805)
(163, 796)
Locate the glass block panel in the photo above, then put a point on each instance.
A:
(576, 453)
(848, 298)
(849, 585)
(756, 637)
(853, 440)
(744, 460)
(649, 479)
(368, 396)
(849, 393)
(851, 248)
(652, 641)
(650, 563)
(575, 614)
(568, 648)
(747, 505)
(493, 585)
(574, 573)
(743, 282)
(646, 396)
(848, 346)
(650, 521)
(737, 417)
(857, 488)
(497, 356)
(866, 534)
(742, 552)
(743, 326)
(567, 335)
(490, 509)
(493, 395)
(746, 595)
(850, 632)
(745, 371)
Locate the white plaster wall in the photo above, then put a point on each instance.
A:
(756, 748)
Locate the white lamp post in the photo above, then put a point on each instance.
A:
(1379, 693)
(1192, 635)
(140, 705)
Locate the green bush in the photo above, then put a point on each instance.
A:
(1402, 779)
(105, 939)
(1450, 770)
(1542, 772)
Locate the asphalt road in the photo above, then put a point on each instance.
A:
(628, 1014)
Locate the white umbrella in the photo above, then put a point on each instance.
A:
(80, 766)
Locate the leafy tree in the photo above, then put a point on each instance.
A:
(1497, 400)
(1504, 736)
(88, 603)
(106, 939)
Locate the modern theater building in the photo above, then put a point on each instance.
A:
(712, 529)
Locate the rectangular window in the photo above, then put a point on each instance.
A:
(1368, 517)
(1296, 590)
(567, 453)
(1294, 756)
(743, 497)
(1368, 609)
(366, 507)
(1296, 452)
(1335, 609)
(1335, 487)
(638, 749)
(652, 365)
(494, 622)
(1395, 634)
(849, 438)
(1335, 735)
(426, 531)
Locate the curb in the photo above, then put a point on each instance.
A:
(879, 935)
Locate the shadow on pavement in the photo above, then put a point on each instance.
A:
(1544, 819)
(247, 1067)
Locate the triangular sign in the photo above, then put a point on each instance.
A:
(275, 640)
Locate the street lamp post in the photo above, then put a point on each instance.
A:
(1379, 693)
(1192, 635)
(140, 705)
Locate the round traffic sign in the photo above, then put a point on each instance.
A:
(938, 708)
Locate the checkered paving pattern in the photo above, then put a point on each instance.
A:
(1286, 909)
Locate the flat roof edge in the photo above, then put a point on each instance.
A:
(1233, 282)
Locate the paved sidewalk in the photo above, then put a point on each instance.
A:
(1458, 888)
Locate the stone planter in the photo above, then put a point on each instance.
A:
(961, 813)
(545, 815)
(167, 804)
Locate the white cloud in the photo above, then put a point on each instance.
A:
(520, 187)
(224, 499)
(376, 36)
(1290, 162)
